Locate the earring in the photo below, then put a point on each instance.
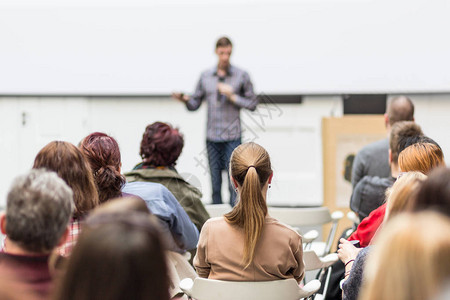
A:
(270, 185)
(235, 189)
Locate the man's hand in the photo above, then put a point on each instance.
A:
(181, 97)
(227, 90)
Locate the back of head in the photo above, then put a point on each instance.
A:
(399, 196)
(70, 164)
(400, 109)
(403, 134)
(122, 204)
(38, 210)
(410, 258)
(161, 145)
(422, 157)
(103, 154)
(117, 256)
(250, 167)
(434, 193)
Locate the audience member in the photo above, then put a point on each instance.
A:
(38, 210)
(373, 159)
(103, 154)
(410, 260)
(421, 157)
(434, 192)
(368, 194)
(161, 146)
(247, 244)
(118, 256)
(398, 200)
(71, 165)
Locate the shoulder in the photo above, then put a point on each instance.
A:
(281, 228)
(145, 189)
(208, 72)
(375, 146)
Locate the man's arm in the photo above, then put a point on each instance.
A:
(195, 100)
(357, 169)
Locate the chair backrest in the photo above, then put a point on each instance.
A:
(208, 289)
(296, 216)
(218, 210)
(309, 216)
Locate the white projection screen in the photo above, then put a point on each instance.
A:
(131, 47)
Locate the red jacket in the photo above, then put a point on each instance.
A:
(368, 226)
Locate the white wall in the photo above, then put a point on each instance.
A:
(92, 47)
(291, 133)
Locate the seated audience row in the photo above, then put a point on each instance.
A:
(130, 247)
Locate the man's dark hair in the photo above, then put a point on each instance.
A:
(223, 42)
(400, 109)
(401, 133)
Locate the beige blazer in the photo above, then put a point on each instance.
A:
(278, 253)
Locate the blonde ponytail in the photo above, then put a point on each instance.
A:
(250, 167)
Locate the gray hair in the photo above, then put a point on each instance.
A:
(38, 209)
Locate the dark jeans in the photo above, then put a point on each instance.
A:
(219, 157)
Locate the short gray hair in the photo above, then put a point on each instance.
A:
(38, 209)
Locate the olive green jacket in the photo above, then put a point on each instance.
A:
(187, 195)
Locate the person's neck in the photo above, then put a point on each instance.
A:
(222, 69)
(14, 249)
(395, 170)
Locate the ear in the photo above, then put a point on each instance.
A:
(270, 178)
(390, 156)
(63, 238)
(386, 120)
(3, 223)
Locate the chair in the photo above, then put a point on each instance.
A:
(209, 289)
(309, 216)
(313, 262)
(218, 210)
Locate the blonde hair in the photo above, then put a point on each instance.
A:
(399, 196)
(250, 167)
(411, 259)
(421, 157)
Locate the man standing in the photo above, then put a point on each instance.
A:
(226, 89)
(373, 159)
(38, 211)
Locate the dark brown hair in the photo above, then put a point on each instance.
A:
(103, 154)
(434, 192)
(250, 167)
(403, 133)
(70, 164)
(161, 145)
(117, 256)
(223, 42)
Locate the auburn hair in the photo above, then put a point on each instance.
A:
(422, 157)
(72, 166)
(251, 168)
(103, 154)
(161, 145)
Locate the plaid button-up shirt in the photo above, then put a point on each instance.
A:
(75, 229)
(224, 123)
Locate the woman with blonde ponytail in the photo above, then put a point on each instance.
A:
(247, 244)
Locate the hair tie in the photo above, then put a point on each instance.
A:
(251, 166)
